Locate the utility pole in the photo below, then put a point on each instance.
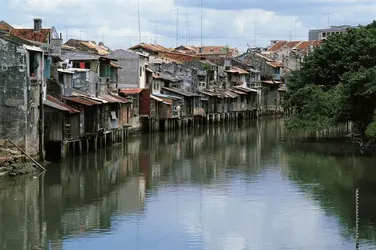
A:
(328, 14)
(255, 38)
(139, 21)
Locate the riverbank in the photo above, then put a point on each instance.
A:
(13, 163)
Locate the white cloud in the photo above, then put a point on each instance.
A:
(116, 20)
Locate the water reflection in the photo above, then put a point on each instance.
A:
(228, 187)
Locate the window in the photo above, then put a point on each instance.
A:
(32, 115)
(140, 71)
(34, 64)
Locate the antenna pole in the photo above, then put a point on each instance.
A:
(139, 21)
(201, 21)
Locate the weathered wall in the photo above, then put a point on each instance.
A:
(129, 74)
(186, 75)
(19, 107)
(85, 81)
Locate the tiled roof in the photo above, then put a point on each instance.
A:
(88, 46)
(131, 91)
(5, 26)
(177, 57)
(306, 45)
(275, 64)
(214, 49)
(150, 47)
(29, 34)
(57, 104)
(101, 50)
(299, 45)
(237, 70)
(277, 46)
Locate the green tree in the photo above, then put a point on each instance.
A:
(337, 83)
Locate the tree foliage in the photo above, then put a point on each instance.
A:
(336, 83)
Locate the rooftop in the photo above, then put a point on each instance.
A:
(156, 48)
(180, 92)
(57, 104)
(88, 46)
(30, 34)
(131, 91)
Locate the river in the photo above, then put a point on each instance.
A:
(232, 187)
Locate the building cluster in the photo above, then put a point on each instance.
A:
(80, 95)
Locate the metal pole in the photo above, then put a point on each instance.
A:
(28, 156)
(177, 27)
(201, 21)
(139, 21)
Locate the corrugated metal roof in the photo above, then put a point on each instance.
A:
(32, 48)
(132, 91)
(245, 89)
(113, 99)
(168, 96)
(181, 92)
(271, 82)
(82, 100)
(230, 94)
(159, 100)
(57, 104)
(114, 65)
(163, 76)
(75, 56)
(238, 92)
(65, 71)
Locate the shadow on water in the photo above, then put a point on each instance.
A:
(84, 197)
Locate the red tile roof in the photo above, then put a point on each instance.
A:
(131, 91)
(275, 64)
(56, 103)
(214, 49)
(29, 34)
(299, 45)
(306, 45)
(177, 57)
(5, 26)
(277, 46)
(150, 47)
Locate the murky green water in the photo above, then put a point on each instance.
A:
(231, 187)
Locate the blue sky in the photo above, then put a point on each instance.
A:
(237, 23)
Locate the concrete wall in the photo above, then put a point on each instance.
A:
(129, 74)
(19, 98)
(85, 81)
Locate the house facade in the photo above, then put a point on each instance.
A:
(132, 73)
(22, 94)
